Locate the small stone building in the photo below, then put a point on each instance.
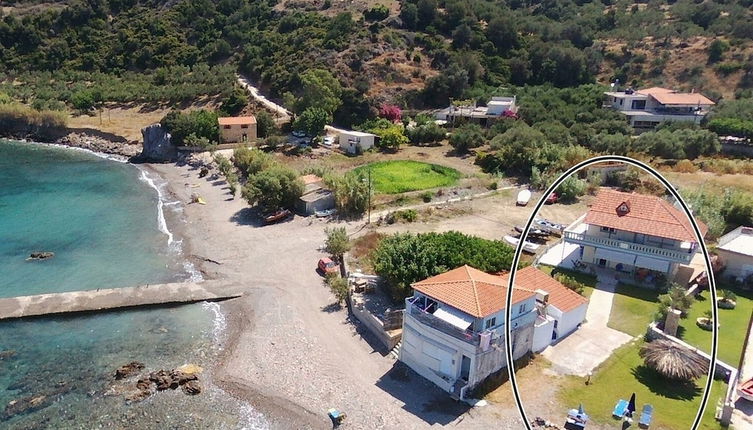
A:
(237, 129)
(315, 196)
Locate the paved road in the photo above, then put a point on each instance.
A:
(580, 352)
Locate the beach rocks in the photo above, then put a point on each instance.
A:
(42, 255)
(157, 144)
(100, 142)
(129, 369)
(34, 402)
(185, 376)
(9, 353)
(192, 388)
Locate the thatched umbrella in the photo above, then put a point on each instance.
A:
(673, 361)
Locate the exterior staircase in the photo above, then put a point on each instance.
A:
(457, 388)
(395, 352)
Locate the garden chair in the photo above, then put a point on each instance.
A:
(620, 409)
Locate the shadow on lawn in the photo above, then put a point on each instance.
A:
(636, 292)
(657, 384)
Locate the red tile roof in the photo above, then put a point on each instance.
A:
(671, 97)
(646, 214)
(236, 120)
(471, 291)
(560, 296)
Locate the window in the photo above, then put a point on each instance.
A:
(621, 100)
(522, 308)
(226, 127)
(244, 125)
(491, 322)
(639, 104)
(607, 230)
(555, 323)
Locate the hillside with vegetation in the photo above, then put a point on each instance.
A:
(81, 52)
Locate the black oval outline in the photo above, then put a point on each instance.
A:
(519, 250)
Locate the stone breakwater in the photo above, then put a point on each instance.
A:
(100, 144)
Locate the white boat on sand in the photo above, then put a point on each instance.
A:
(527, 246)
(524, 196)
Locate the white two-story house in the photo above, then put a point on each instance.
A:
(634, 233)
(646, 108)
(453, 326)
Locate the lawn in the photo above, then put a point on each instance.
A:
(633, 309)
(733, 324)
(624, 373)
(589, 281)
(400, 176)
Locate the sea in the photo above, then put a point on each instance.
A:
(107, 223)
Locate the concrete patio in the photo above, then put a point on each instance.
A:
(583, 350)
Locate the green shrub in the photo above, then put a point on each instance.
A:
(426, 196)
(403, 259)
(570, 283)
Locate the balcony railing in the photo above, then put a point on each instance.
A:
(430, 320)
(634, 248)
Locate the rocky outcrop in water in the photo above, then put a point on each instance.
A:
(129, 369)
(157, 144)
(43, 255)
(35, 402)
(186, 377)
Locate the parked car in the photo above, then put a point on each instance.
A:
(277, 216)
(299, 133)
(328, 141)
(326, 265)
(553, 198)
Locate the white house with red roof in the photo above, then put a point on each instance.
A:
(646, 108)
(634, 233)
(453, 325)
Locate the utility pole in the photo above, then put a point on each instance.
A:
(369, 221)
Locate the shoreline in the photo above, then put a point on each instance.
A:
(278, 411)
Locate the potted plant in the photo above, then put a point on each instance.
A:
(706, 322)
(726, 300)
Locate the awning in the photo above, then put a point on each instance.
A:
(615, 256)
(652, 264)
(455, 317)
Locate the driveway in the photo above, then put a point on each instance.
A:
(583, 350)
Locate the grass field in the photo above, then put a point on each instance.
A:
(633, 309)
(733, 324)
(400, 176)
(675, 405)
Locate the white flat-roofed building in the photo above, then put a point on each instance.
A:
(736, 250)
(646, 108)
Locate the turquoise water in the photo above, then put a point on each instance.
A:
(103, 223)
(96, 215)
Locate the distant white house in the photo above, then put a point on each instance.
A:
(646, 108)
(496, 108)
(736, 250)
(453, 325)
(354, 142)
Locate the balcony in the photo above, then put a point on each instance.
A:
(683, 257)
(430, 320)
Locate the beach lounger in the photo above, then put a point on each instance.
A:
(646, 414)
(620, 409)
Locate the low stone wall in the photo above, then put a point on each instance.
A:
(388, 338)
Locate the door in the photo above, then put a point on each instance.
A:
(465, 368)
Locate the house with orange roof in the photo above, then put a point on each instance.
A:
(647, 108)
(237, 129)
(636, 234)
(453, 325)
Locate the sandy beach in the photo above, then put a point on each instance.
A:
(290, 352)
